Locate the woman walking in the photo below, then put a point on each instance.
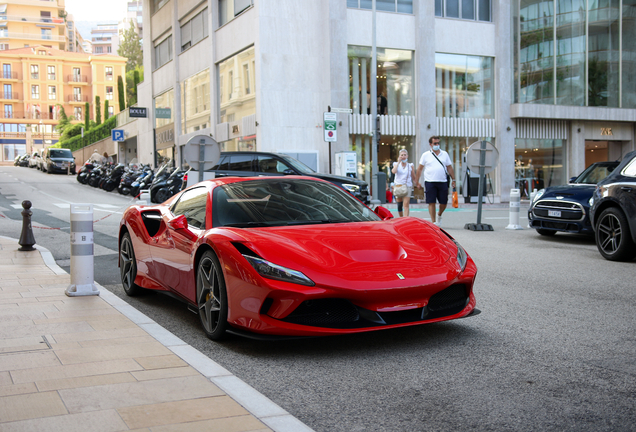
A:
(404, 181)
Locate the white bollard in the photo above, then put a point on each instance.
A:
(144, 197)
(82, 250)
(515, 207)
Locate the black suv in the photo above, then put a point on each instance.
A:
(613, 212)
(250, 164)
(58, 160)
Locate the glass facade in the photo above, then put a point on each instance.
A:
(568, 52)
(195, 102)
(162, 102)
(463, 86)
(538, 164)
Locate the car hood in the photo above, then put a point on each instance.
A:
(358, 254)
(338, 179)
(572, 192)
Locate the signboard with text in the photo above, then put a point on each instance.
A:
(162, 113)
(137, 112)
(330, 121)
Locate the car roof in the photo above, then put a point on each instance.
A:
(250, 152)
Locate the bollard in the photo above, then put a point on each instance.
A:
(82, 270)
(515, 207)
(26, 237)
(144, 197)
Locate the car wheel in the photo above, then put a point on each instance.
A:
(128, 266)
(613, 238)
(162, 195)
(546, 232)
(211, 296)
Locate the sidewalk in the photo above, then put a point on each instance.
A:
(97, 364)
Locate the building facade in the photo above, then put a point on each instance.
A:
(546, 82)
(26, 23)
(37, 81)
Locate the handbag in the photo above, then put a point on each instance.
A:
(448, 177)
(400, 191)
(455, 198)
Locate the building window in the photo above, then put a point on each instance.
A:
(6, 71)
(8, 111)
(195, 102)
(230, 84)
(194, 30)
(111, 111)
(77, 113)
(8, 91)
(35, 92)
(247, 78)
(109, 73)
(45, 16)
(157, 4)
(35, 72)
(99, 50)
(109, 92)
(165, 102)
(4, 46)
(46, 34)
(77, 94)
(163, 52)
(77, 77)
(109, 49)
(463, 86)
(228, 9)
(51, 72)
(479, 10)
(403, 6)
(52, 93)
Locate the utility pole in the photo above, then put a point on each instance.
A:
(374, 110)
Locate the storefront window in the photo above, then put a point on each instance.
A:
(195, 102)
(463, 86)
(164, 109)
(238, 109)
(538, 164)
(570, 34)
(394, 81)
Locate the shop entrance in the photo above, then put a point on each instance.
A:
(602, 151)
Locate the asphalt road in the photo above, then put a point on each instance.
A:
(553, 348)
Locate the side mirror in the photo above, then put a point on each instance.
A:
(289, 171)
(180, 222)
(572, 180)
(384, 213)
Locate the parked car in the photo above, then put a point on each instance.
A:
(24, 160)
(34, 159)
(58, 160)
(248, 164)
(295, 256)
(567, 208)
(613, 212)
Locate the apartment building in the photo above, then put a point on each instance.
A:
(75, 40)
(547, 82)
(36, 81)
(105, 39)
(26, 23)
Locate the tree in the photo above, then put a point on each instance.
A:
(98, 110)
(130, 47)
(65, 121)
(87, 116)
(121, 94)
(132, 80)
(106, 111)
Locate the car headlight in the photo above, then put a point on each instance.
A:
(538, 195)
(274, 271)
(462, 256)
(351, 188)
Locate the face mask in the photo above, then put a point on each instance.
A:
(436, 147)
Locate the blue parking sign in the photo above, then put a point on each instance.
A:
(118, 135)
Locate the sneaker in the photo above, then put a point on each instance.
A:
(436, 223)
(439, 220)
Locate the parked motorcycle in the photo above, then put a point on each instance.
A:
(143, 181)
(160, 181)
(173, 185)
(113, 178)
(85, 171)
(95, 175)
(131, 174)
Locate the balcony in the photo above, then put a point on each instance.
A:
(31, 19)
(9, 75)
(77, 79)
(31, 36)
(77, 99)
(11, 115)
(9, 95)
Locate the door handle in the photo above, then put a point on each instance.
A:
(626, 188)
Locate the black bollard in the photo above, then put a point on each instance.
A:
(26, 237)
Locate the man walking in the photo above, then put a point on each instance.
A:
(436, 165)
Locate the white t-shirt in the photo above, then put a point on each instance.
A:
(433, 170)
(403, 174)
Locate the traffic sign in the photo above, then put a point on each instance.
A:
(473, 155)
(117, 135)
(202, 152)
(330, 126)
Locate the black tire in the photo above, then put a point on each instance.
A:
(162, 195)
(613, 237)
(134, 191)
(545, 232)
(128, 267)
(211, 296)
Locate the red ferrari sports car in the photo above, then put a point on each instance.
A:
(266, 257)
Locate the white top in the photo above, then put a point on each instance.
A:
(403, 174)
(433, 170)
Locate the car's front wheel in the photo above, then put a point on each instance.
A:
(613, 238)
(545, 232)
(211, 296)
(128, 266)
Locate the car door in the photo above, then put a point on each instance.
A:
(237, 164)
(270, 165)
(184, 223)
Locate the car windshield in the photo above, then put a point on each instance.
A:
(60, 153)
(298, 165)
(594, 174)
(279, 202)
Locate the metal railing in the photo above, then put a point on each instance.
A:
(77, 98)
(77, 78)
(9, 95)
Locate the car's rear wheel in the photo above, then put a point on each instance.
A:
(546, 232)
(613, 238)
(211, 296)
(128, 266)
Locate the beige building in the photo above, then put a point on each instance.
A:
(37, 80)
(24, 23)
